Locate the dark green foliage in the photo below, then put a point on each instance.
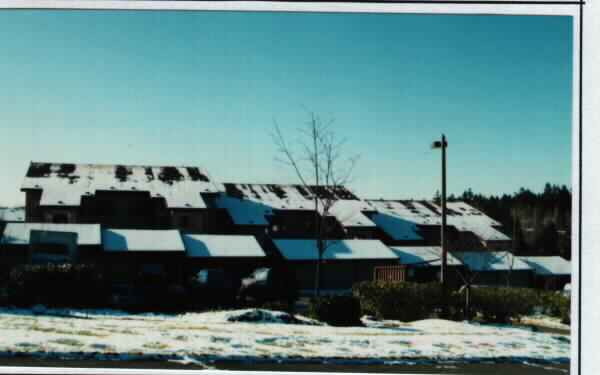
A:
(337, 310)
(57, 285)
(405, 301)
(540, 223)
(500, 304)
(555, 304)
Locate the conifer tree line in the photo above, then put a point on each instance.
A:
(539, 223)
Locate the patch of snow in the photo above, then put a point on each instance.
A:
(212, 336)
(19, 233)
(306, 249)
(491, 261)
(211, 245)
(548, 265)
(115, 240)
(425, 256)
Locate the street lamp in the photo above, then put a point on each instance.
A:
(443, 145)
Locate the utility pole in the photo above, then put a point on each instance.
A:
(443, 274)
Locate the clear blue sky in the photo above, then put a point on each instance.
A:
(203, 88)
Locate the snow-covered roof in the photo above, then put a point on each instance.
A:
(306, 249)
(19, 233)
(142, 240)
(491, 261)
(548, 265)
(211, 245)
(250, 204)
(459, 214)
(396, 227)
(12, 213)
(349, 213)
(65, 184)
(427, 255)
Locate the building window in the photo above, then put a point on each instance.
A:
(60, 218)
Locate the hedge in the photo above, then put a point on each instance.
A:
(57, 285)
(337, 310)
(403, 300)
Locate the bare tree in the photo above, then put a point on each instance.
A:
(316, 159)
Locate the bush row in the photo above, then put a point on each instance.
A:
(57, 285)
(409, 301)
(337, 310)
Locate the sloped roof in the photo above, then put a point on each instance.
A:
(396, 227)
(19, 233)
(65, 184)
(125, 240)
(250, 204)
(459, 215)
(12, 213)
(548, 265)
(427, 255)
(306, 249)
(491, 261)
(210, 245)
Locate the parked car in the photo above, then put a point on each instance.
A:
(268, 284)
(213, 286)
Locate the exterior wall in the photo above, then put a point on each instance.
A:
(32, 201)
(128, 267)
(339, 275)
(58, 214)
(125, 210)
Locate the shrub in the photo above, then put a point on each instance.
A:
(499, 304)
(57, 285)
(554, 304)
(337, 310)
(405, 301)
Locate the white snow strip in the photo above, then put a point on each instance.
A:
(141, 240)
(424, 255)
(305, 249)
(213, 336)
(19, 233)
(210, 245)
(548, 265)
(491, 261)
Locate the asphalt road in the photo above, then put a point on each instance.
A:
(471, 368)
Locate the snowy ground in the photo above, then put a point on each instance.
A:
(265, 335)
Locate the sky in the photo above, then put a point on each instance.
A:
(195, 88)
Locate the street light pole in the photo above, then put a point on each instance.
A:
(443, 231)
(443, 274)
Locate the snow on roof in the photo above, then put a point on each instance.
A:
(19, 233)
(349, 213)
(12, 213)
(396, 227)
(491, 261)
(210, 245)
(306, 249)
(249, 204)
(244, 212)
(65, 184)
(548, 265)
(141, 240)
(459, 214)
(428, 255)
